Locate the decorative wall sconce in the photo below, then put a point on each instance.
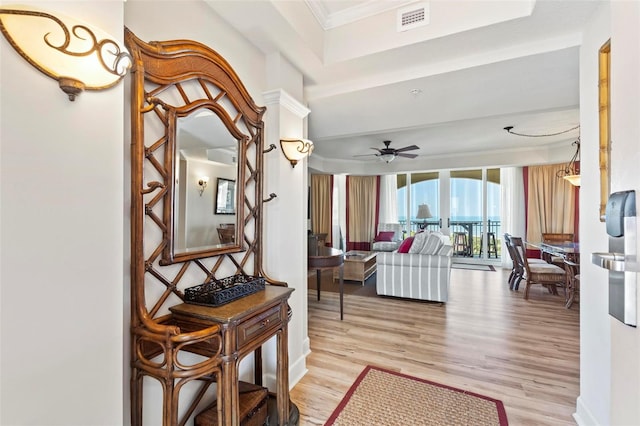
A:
(296, 149)
(202, 183)
(78, 56)
(571, 171)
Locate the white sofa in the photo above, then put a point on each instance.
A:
(423, 273)
(395, 240)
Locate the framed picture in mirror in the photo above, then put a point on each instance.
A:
(226, 196)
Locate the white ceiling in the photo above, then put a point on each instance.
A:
(449, 87)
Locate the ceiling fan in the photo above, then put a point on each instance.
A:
(388, 154)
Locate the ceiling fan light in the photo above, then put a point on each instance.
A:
(387, 158)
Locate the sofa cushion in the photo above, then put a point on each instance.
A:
(432, 244)
(405, 245)
(384, 236)
(445, 250)
(418, 242)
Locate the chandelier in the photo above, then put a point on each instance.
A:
(571, 170)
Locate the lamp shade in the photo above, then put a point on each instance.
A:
(423, 212)
(571, 171)
(573, 179)
(296, 149)
(78, 55)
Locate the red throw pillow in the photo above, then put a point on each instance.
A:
(405, 245)
(384, 236)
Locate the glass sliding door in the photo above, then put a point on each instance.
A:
(414, 190)
(425, 190)
(465, 211)
(464, 204)
(492, 245)
(475, 224)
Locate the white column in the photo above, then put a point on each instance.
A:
(285, 225)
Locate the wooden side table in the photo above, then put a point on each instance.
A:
(358, 265)
(320, 258)
(247, 324)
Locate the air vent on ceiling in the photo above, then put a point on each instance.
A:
(416, 15)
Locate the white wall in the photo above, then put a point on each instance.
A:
(625, 157)
(593, 404)
(285, 254)
(609, 350)
(62, 243)
(65, 207)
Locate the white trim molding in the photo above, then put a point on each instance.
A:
(284, 99)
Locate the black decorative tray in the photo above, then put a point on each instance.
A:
(225, 290)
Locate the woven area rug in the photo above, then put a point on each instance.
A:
(386, 398)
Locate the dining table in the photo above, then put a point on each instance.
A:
(567, 250)
(320, 258)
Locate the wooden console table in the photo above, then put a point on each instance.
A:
(247, 324)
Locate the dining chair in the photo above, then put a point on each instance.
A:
(515, 267)
(226, 235)
(545, 274)
(518, 271)
(573, 281)
(555, 238)
(549, 237)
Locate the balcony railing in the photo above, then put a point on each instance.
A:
(472, 231)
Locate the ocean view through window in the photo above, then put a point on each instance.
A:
(461, 201)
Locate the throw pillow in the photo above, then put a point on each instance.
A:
(432, 244)
(384, 236)
(405, 245)
(445, 250)
(418, 242)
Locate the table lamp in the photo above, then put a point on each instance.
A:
(423, 213)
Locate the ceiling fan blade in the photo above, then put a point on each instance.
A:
(407, 155)
(408, 148)
(377, 149)
(366, 155)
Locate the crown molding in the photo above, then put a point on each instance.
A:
(282, 98)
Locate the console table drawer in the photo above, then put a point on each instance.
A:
(258, 325)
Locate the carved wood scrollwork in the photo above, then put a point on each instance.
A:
(172, 80)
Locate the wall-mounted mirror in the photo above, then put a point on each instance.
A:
(205, 148)
(206, 156)
(195, 125)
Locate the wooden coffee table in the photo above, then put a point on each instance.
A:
(358, 265)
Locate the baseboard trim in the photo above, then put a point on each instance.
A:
(297, 370)
(306, 347)
(583, 415)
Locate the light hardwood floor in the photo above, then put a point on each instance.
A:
(486, 339)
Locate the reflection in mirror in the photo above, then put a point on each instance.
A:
(204, 149)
